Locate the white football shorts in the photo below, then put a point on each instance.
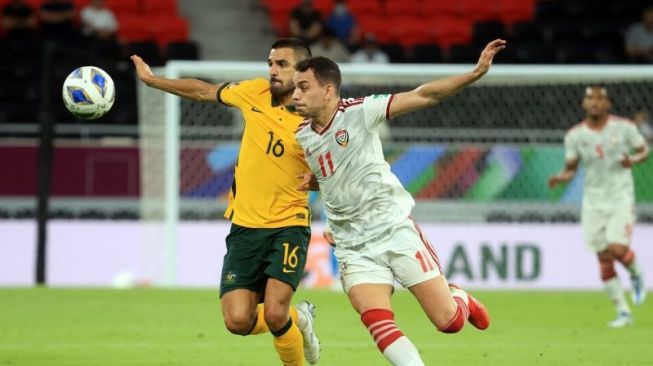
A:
(603, 226)
(404, 255)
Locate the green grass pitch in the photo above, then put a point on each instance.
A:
(87, 327)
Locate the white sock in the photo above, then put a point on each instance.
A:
(402, 352)
(635, 269)
(616, 293)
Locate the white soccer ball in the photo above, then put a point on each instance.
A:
(88, 92)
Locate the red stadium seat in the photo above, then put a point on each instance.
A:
(512, 11)
(410, 31)
(441, 8)
(134, 28)
(281, 5)
(364, 8)
(123, 7)
(377, 26)
(80, 4)
(452, 30)
(324, 7)
(479, 10)
(166, 29)
(280, 21)
(160, 7)
(410, 8)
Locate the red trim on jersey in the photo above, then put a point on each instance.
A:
(387, 107)
(303, 124)
(324, 130)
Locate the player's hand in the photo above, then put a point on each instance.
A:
(485, 60)
(329, 238)
(309, 182)
(626, 162)
(554, 180)
(142, 69)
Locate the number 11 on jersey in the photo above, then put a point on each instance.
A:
(321, 159)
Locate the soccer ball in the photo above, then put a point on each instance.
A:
(88, 92)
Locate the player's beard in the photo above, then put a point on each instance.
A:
(279, 90)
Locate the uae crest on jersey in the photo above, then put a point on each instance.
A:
(342, 138)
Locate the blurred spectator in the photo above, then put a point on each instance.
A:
(57, 18)
(641, 119)
(344, 24)
(98, 21)
(18, 19)
(639, 38)
(329, 46)
(306, 22)
(370, 53)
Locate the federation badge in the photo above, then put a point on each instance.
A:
(342, 138)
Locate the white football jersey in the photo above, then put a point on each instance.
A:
(607, 182)
(363, 198)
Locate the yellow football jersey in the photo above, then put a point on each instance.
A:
(264, 193)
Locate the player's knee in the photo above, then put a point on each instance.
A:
(239, 324)
(607, 269)
(276, 317)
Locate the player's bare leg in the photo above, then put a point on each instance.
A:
(626, 256)
(239, 310)
(288, 340)
(448, 306)
(615, 292)
(372, 302)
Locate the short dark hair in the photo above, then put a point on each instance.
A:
(325, 70)
(301, 48)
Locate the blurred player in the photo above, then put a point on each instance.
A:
(603, 143)
(368, 210)
(267, 245)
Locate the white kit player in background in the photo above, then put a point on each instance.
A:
(607, 146)
(376, 242)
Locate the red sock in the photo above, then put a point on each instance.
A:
(381, 325)
(458, 321)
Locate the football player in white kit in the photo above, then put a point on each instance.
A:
(376, 242)
(607, 146)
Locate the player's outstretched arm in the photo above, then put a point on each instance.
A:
(565, 175)
(193, 89)
(434, 92)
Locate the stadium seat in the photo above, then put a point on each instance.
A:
(160, 7)
(182, 51)
(426, 53)
(465, 53)
(148, 50)
(576, 52)
(324, 7)
(409, 31)
(487, 31)
(279, 19)
(166, 29)
(134, 28)
(441, 8)
(560, 30)
(452, 30)
(511, 11)
(377, 26)
(123, 8)
(526, 31)
(534, 52)
(479, 10)
(550, 10)
(365, 8)
(405, 8)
